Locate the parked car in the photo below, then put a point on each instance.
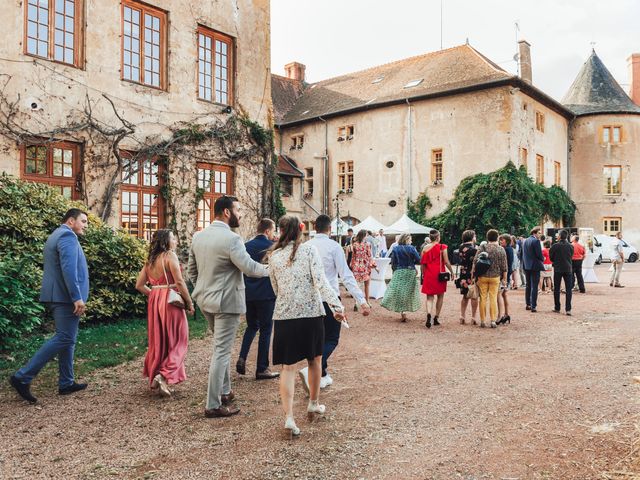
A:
(603, 247)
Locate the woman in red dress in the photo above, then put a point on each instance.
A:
(167, 327)
(433, 262)
(362, 261)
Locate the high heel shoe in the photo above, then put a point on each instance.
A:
(314, 409)
(435, 321)
(428, 323)
(507, 319)
(290, 428)
(161, 383)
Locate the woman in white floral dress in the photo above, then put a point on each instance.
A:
(300, 285)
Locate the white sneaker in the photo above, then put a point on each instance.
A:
(304, 376)
(326, 381)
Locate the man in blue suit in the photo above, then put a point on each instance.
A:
(65, 290)
(533, 263)
(260, 301)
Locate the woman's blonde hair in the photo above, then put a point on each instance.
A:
(404, 239)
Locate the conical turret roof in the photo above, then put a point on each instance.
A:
(596, 91)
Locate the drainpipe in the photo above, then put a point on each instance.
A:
(325, 169)
(410, 134)
(569, 130)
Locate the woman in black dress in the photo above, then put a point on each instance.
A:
(466, 253)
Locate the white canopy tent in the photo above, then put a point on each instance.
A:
(369, 223)
(405, 225)
(339, 228)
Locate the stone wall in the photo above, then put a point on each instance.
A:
(64, 95)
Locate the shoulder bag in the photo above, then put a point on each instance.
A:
(173, 298)
(443, 276)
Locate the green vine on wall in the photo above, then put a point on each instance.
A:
(508, 200)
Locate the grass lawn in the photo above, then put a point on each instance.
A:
(98, 346)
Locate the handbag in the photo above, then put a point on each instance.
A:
(473, 292)
(173, 298)
(443, 276)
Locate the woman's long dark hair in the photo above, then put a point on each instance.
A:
(160, 243)
(360, 236)
(289, 226)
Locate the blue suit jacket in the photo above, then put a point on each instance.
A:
(532, 258)
(258, 288)
(66, 275)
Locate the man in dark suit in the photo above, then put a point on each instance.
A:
(347, 241)
(65, 290)
(561, 254)
(533, 263)
(261, 301)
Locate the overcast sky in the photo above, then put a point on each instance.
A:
(334, 37)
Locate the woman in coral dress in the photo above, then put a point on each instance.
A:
(362, 261)
(434, 261)
(167, 327)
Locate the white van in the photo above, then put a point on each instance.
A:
(603, 246)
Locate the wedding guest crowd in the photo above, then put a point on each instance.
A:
(291, 289)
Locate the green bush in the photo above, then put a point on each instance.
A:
(20, 311)
(29, 212)
(506, 199)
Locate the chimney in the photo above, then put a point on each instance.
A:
(634, 77)
(524, 57)
(295, 71)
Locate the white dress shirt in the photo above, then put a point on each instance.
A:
(335, 265)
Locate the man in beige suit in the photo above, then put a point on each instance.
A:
(216, 263)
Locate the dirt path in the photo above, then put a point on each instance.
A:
(548, 397)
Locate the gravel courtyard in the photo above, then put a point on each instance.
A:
(547, 397)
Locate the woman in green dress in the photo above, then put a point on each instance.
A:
(403, 293)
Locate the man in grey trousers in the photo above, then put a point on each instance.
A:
(217, 261)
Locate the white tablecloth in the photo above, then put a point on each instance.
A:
(378, 286)
(588, 273)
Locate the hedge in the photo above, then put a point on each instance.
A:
(29, 212)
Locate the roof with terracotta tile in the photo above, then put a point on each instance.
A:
(284, 94)
(595, 91)
(287, 166)
(443, 72)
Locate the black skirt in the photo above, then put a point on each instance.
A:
(297, 339)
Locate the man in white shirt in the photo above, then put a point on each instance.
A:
(373, 243)
(335, 266)
(617, 261)
(382, 244)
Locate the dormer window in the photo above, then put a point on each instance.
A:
(414, 83)
(297, 142)
(346, 133)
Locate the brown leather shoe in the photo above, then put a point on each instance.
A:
(228, 398)
(221, 412)
(266, 375)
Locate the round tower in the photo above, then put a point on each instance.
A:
(604, 152)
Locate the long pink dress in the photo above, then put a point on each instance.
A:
(168, 335)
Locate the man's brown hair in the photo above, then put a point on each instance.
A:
(266, 224)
